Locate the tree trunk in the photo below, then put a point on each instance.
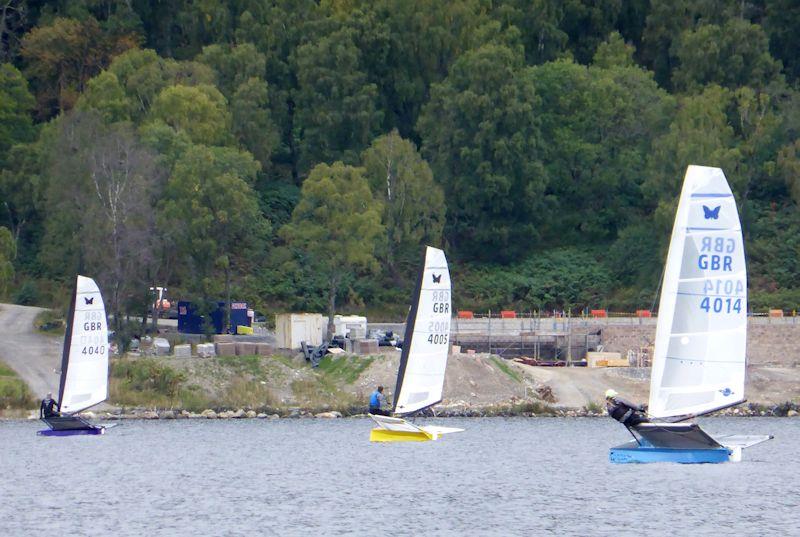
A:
(227, 319)
(334, 285)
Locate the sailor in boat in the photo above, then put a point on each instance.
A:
(625, 412)
(377, 403)
(49, 407)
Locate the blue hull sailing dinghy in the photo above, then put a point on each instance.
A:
(420, 379)
(84, 362)
(699, 357)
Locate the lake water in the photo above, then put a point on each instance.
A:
(517, 476)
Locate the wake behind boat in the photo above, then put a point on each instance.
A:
(84, 363)
(420, 378)
(699, 358)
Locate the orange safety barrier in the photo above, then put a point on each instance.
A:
(598, 313)
(465, 315)
(644, 313)
(776, 313)
(508, 314)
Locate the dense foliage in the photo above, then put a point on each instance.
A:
(299, 154)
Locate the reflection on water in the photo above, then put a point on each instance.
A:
(317, 477)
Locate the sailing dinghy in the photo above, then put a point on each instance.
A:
(84, 362)
(420, 378)
(699, 357)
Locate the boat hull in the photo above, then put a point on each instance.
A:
(385, 435)
(644, 454)
(72, 432)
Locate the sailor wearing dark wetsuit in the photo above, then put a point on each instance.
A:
(48, 408)
(623, 411)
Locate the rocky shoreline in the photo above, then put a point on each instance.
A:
(531, 409)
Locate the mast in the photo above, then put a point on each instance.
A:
(410, 322)
(67, 343)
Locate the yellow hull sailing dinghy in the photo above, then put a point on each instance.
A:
(420, 379)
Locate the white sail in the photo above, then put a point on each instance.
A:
(84, 368)
(424, 358)
(699, 357)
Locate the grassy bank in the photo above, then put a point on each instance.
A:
(14, 393)
(50, 322)
(271, 384)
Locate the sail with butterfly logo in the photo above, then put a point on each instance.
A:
(84, 365)
(84, 362)
(420, 379)
(701, 336)
(699, 356)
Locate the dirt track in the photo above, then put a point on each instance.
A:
(35, 357)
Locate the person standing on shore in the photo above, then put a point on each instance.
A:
(624, 411)
(48, 408)
(377, 403)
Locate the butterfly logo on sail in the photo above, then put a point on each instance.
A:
(437, 279)
(710, 214)
(88, 300)
(726, 392)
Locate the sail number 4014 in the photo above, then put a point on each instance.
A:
(721, 305)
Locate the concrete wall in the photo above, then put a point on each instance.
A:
(767, 343)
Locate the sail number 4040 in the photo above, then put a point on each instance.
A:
(721, 305)
(98, 349)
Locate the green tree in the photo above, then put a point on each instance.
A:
(614, 52)
(105, 94)
(587, 23)
(597, 129)
(101, 188)
(481, 133)
(337, 115)
(63, 56)
(143, 75)
(699, 134)
(7, 255)
(252, 120)
(731, 55)
(413, 204)
(16, 104)
(540, 23)
(781, 24)
(210, 206)
(199, 111)
(336, 224)
(234, 65)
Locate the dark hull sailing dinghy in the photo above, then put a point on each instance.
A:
(699, 357)
(84, 362)
(420, 379)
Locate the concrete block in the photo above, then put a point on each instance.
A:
(223, 338)
(264, 349)
(182, 351)
(366, 346)
(206, 350)
(161, 346)
(226, 349)
(244, 348)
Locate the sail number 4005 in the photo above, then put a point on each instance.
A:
(439, 332)
(721, 305)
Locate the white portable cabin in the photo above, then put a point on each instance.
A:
(292, 328)
(350, 324)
